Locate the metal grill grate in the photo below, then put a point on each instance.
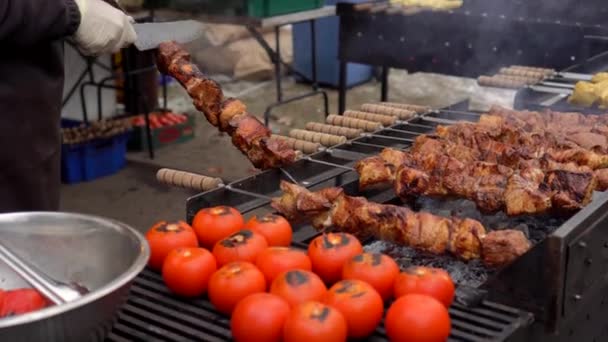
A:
(152, 313)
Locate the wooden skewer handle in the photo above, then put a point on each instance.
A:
(500, 82)
(538, 75)
(340, 120)
(321, 138)
(187, 180)
(385, 120)
(545, 71)
(300, 145)
(402, 114)
(416, 108)
(350, 133)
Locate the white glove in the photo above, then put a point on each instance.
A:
(103, 28)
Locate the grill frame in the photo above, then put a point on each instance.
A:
(548, 295)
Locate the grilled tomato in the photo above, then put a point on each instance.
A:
(276, 229)
(187, 271)
(213, 224)
(233, 282)
(275, 260)
(378, 270)
(360, 304)
(21, 301)
(297, 286)
(434, 282)
(244, 245)
(259, 317)
(417, 317)
(164, 237)
(329, 252)
(314, 321)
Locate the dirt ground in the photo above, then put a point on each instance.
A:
(134, 197)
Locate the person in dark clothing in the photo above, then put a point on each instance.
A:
(32, 33)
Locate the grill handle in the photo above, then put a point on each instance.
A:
(187, 180)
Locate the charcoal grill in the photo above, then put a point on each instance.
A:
(561, 280)
(476, 39)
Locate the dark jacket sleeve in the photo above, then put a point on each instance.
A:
(30, 22)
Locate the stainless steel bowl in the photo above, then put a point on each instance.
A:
(100, 254)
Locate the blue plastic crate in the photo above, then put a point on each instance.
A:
(328, 66)
(93, 159)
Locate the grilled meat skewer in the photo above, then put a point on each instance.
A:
(248, 134)
(493, 187)
(508, 145)
(574, 129)
(465, 238)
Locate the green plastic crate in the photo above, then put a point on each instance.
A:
(269, 8)
(251, 8)
(162, 136)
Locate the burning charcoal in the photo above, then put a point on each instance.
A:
(469, 296)
(472, 274)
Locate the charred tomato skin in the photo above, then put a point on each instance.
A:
(433, 282)
(275, 228)
(233, 282)
(244, 245)
(163, 237)
(329, 252)
(259, 317)
(297, 286)
(275, 260)
(360, 303)
(378, 270)
(416, 317)
(186, 271)
(315, 321)
(214, 224)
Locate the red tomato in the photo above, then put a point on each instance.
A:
(233, 282)
(360, 304)
(434, 282)
(21, 301)
(243, 245)
(213, 224)
(276, 229)
(259, 317)
(314, 321)
(419, 318)
(329, 253)
(297, 286)
(378, 270)
(275, 260)
(187, 271)
(164, 237)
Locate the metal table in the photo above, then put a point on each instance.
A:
(254, 25)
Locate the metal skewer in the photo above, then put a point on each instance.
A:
(244, 192)
(288, 175)
(310, 159)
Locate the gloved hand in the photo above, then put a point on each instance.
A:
(103, 28)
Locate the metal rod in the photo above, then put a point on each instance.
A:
(395, 130)
(310, 159)
(288, 175)
(372, 135)
(439, 120)
(245, 192)
(368, 144)
(557, 85)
